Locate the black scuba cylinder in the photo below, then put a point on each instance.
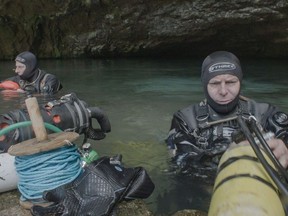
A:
(14, 136)
(68, 113)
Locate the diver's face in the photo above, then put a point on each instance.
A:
(223, 88)
(19, 68)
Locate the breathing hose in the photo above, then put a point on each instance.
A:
(25, 124)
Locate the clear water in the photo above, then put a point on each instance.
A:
(140, 97)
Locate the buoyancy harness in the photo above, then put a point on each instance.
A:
(197, 120)
(34, 86)
(39, 84)
(69, 113)
(199, 136)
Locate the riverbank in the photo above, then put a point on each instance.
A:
(9, 206)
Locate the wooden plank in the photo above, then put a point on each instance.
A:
(36, 118)
(33, 146)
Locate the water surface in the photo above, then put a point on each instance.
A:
(140, 97)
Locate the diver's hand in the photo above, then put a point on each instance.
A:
(20, 90)
(280, 151)
(278, 148)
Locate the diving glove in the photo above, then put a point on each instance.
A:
(103, 184)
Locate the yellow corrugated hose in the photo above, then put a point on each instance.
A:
(243, 187)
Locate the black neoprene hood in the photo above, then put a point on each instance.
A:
(217, 63)
(30, 61)
(220, 62)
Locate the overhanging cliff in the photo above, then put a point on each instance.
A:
(112, 28)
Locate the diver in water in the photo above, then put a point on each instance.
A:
(201, 133)
(30, 78)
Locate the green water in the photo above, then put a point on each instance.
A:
(140, 96)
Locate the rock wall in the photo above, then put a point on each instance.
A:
(114, 28)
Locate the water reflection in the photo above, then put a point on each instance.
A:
(183, 193)
(140, 96)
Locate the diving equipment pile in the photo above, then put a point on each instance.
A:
(104, 183)
(94, 190)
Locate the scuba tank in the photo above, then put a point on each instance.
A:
(243, 187)
(69, 113)
(250, 179)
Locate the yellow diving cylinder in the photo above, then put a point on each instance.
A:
(243, 187)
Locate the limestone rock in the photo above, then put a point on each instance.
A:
(105, 28)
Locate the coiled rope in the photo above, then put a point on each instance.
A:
(45, 170)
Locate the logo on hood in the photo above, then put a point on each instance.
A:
(222, 66)
(20, 59)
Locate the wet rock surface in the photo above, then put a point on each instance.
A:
(9, 206)
(109, 28)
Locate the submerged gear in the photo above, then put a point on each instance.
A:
(199, 134)
(30, 61)
(103, 184)
(68, 113)
(217, 63)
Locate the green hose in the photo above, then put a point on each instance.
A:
(88, 157)
(27, 123)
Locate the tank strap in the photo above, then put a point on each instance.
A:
(82, 114)
(259, 110)
(194, 115)
(202, 112)
(43, 81)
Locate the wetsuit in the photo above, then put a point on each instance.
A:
(193, 141)
(41, 82)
